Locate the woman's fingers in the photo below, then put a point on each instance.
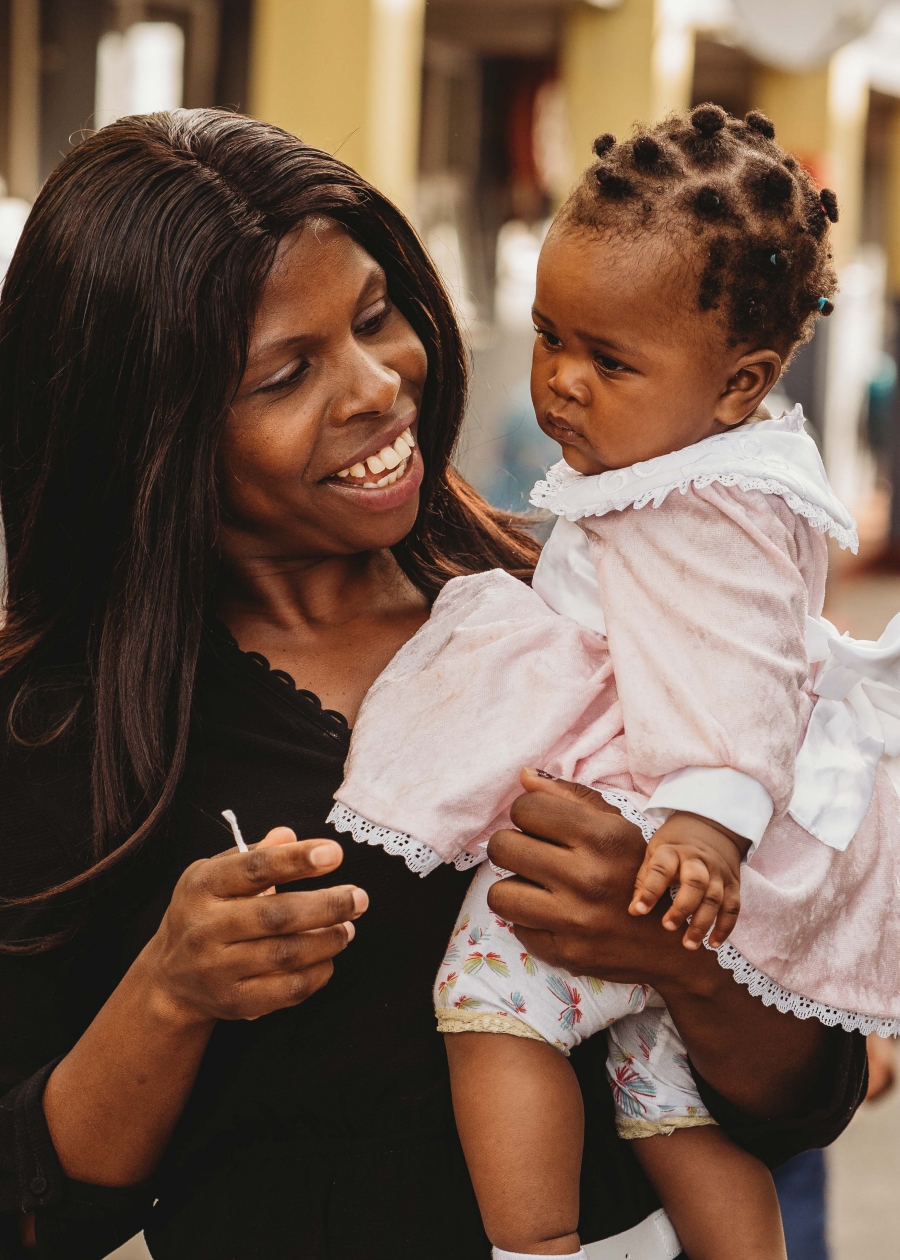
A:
(288, 913)
(280, 861)
(535, 860)
(296, 952)
(259, 995)
(657, 874)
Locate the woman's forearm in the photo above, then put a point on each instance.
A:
(765, 1063)
(114, 1100)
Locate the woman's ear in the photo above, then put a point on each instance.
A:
(752, 376)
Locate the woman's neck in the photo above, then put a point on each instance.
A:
(308, 590)
(331, 622)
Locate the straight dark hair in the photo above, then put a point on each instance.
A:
(124, 326)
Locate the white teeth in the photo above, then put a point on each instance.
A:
(408, 438)
(359, 471)
(402, 448)
(389, 457)
(374, 464)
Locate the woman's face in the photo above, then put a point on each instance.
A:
(334, 379)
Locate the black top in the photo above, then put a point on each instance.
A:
(321, 1131)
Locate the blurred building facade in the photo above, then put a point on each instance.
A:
(476, 115)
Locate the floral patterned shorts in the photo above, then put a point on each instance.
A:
(489, 983)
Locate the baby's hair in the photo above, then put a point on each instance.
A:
(751, 211)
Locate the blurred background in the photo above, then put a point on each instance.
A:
(476, 116)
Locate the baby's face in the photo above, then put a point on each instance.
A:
(625, 366)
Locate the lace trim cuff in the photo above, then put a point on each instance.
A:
(784, 1000)
(450, 1020)
(418, 856)
(629, 811)
(630, 1129)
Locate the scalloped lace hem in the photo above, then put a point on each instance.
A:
(418, 856)
(545, 492)
(452, 1020)
(629, 811)
(629, 1129)
(786, 1002)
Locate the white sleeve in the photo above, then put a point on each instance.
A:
(730, 797)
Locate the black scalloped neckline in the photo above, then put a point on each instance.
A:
(333, 721)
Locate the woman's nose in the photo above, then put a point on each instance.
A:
(370, 385)
(568, 384)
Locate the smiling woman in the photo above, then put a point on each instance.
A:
(230, 388)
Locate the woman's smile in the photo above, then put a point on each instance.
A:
(383, 487)
(383, 466)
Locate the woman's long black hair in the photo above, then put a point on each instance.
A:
(124, 325)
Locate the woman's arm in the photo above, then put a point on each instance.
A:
(573, 914)
(221, 952)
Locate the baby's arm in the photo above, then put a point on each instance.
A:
(704, 859)
(519, 1115)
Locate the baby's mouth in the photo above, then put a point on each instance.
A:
(383, 468)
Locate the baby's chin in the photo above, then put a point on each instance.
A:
(589, 462)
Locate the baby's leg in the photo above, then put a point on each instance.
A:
(517, 1102)
(519, 1114)
(720, 1199)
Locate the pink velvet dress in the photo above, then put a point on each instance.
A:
(672, 655)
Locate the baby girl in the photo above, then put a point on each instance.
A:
(672, 655)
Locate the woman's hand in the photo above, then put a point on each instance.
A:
(223, 951)
(580, 858)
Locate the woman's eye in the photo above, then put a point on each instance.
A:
(373, 322)
(289, 375)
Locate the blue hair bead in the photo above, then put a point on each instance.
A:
(823, 302)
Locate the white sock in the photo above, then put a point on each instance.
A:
(497, 1254)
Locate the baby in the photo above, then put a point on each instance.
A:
(672, 655)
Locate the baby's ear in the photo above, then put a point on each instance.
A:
(751, 378)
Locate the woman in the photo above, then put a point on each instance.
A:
(208, 331)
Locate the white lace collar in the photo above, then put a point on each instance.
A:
(774, 456)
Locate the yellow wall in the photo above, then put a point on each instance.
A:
(621, 65)
(344, 75)
(820, 116)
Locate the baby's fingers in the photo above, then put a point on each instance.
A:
(705, 915)
(694, 880)
(727, 917)
(658, 871)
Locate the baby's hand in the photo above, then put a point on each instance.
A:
(702, 857)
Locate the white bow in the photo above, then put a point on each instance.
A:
(855, 723)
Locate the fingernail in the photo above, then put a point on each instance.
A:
(351, 930)
(360, 900)
(670, 927)
(325, 854)
(691, 944)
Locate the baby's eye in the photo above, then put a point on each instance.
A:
(609, 364)
(547, 337)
